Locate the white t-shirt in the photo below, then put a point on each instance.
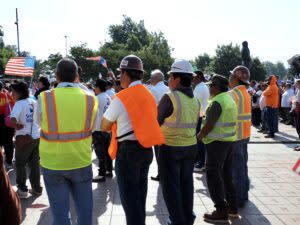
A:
(116, 112)
(262, 102)
(201, 92)
(103, 103)
(110, 92)
(23, 111)
(158, 90)
(286, 98)
(256, 104)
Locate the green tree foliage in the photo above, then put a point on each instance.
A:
(202, 61)
(257, 70)
(90, 69)
(133, 38)
(275, 69)
(227, 57)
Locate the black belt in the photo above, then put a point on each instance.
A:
(125, 135)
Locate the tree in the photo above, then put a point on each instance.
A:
(133, 38)
(227, 57)
(275, 69)
(202, 61)
(90, 69)
(257, 70)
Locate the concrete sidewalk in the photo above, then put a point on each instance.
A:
(274, 197)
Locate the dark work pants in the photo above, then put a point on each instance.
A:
(28, 155)
(101, 142)
(156, 151)
(240, 170)
(297, 122)
(256, 116)
(176, 177)
(271, 118)
(132, 167)
(200, 159)
(6, 140)
(219, 174)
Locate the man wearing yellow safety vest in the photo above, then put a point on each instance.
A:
(178, 113)
(239, 82)
(219, 134)
(66, 115)
(132, 118)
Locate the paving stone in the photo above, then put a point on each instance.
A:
(284, 209)
(290, 219)
(273, 200)
(263, 220)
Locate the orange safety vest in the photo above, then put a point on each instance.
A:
(243, 101)
(142, 111)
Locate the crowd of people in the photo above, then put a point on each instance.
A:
(192, 125)
(275, 101)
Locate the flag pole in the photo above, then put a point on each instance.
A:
(17, 23)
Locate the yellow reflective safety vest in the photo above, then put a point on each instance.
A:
(225, 127)
(179, 129)
(68, 114)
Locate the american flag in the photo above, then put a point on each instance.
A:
(100, 59)
(296, 167)
(20, 66)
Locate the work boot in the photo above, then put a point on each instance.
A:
(217, 216)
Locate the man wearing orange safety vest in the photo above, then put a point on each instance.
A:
(239, 82)
(66, 115)
(132, 118)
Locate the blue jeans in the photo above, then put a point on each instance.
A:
(132, 166)
(264, 120)
(176, 176)
(78, 182)
(271, 118)
(240, 170)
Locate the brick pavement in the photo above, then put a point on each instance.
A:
(274, 197)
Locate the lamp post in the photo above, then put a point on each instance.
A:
(66, 37)
(17, 23)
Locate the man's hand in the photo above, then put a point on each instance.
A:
(19, 126)
(111, 74)
(106, 125)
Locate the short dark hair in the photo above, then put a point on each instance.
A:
(133, 74)
(44, 81)
(21, 88)
(242, 83)
(200, 75)
(185, 79)
(66, 70)
(101, 84)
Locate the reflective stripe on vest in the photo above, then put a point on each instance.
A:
(242, 116)
(53, 133)
(178, 123)
(225, 135)
(66, 136)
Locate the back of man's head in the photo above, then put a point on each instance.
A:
(66, 70)
(157, 74)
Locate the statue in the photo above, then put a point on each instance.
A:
(246, 59)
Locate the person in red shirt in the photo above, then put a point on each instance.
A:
(7, 133)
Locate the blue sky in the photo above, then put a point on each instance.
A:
(192, 27)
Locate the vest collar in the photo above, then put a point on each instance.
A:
(135, 83)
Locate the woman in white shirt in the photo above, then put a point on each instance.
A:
(27, 140)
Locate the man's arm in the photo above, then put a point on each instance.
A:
(106, 125)
(212, 116)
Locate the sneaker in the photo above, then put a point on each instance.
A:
(99, 179)
(22, 194)
(233, 213)
(108, 174)
(199, 169)
(217, 216)
(35, 192)
(155, 178)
